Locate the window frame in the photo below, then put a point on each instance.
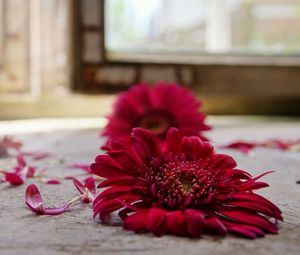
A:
(195, 59)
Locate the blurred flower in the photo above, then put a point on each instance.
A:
(183, 188)
(156, 109)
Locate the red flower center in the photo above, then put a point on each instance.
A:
(182, 184)
(158, 123)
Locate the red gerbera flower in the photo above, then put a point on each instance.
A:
(183, 188)
(158, 108)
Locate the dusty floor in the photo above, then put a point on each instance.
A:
(75, 232)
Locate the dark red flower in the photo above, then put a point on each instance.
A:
(7, 143)
(156, 109)
(183, 188)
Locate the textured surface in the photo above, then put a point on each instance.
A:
(75, 232)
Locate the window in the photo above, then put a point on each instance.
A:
(1, 31)
(201, 29)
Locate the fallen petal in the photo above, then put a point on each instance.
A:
(14, 179)
(242, 146)
(38, 155)
(34, 201)
(53, 181)
(84, 167)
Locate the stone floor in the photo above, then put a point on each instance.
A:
(76, 232)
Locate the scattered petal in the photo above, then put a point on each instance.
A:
(7, 143)
(34, 201)
(53, 181)
(37, 155)
(84, 167)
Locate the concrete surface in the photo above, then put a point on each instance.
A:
(75, 232)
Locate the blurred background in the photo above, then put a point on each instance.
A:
(64, 58)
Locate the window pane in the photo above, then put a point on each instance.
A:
(203, 26)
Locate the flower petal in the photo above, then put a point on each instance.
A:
(156, 221)
(176, 223)
(136, 222)
(194, 222)
(53, 181)
(174, 140)
(34, 199)
(14, 179)
(146, 144)
(84, 167)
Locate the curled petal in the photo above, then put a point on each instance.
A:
(87, 190)
(34, 201)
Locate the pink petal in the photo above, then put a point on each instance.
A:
(37, 155)
(88, 189)
(90, 184)
(14, 179)
(21, 161)
(79, 186)
(34, 201)
(244, 147)
(53, 181)
(84, 167)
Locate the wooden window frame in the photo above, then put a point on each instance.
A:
(196, 59)
(227, 84)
